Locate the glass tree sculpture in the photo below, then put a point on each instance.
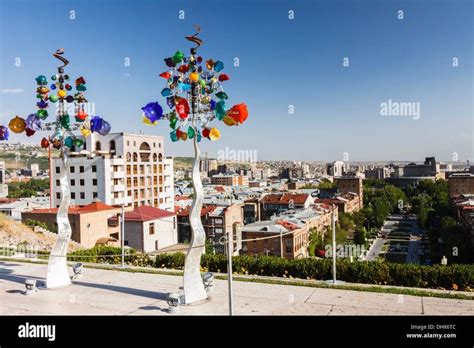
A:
(63, 139)
(195, 97)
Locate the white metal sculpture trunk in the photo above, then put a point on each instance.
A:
(58, 275)
(193, 284)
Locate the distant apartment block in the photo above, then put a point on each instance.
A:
(377, 173)
(218, 221)
(460, 184)
(277, 203)
(336, 168)
(430, 168)
(352, 185)
(230, 180)
(287, 235)
(119, 169)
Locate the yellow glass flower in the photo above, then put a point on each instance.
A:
(214, 134)
(147, 121)
(85, 132)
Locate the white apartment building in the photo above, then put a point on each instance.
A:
(336, 168)
(119, 168)
(34, 170)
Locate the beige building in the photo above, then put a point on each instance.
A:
(230, 180)
(460, 183)
(351, 184)
(149, 229)
(90, 224)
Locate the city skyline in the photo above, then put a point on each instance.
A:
(308, 72)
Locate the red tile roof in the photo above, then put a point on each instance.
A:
(205, 210)
(285, 198)
(288, 225)
(182, 198)
(219, 189)
(85, 209)
(147, 213)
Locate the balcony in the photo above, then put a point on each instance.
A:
(122, 200)
(119, 187)
(117, 175)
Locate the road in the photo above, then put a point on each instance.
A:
(388, 226)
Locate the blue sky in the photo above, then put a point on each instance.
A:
(282, 62)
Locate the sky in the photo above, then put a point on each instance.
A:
(284, 64)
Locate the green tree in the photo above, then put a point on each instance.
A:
(27, 189)
(360, 236)
(326, 184)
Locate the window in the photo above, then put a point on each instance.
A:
(116, 195)
(58, 183)
(112, 145)
(73, 195)
(58, 170)
(81, 169)
(73, 182)
(94, 195)
(128, 142)
(94, 168)
(98, 146)
(288, 246)
(151, 229)
(58, 195)
(94, 182)
(81, 182)
(72, 169)
(82, 195)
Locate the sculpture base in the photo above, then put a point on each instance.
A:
(193, 289)
(57, 276)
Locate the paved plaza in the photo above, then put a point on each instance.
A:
(109, 292)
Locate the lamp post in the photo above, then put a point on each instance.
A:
(122, 234)
(64, 140)
(191, 92)
(333, 223)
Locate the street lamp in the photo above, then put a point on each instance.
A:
(63, 139)
(195, 97)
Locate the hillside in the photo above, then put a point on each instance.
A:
(13, 233)
(22, 158)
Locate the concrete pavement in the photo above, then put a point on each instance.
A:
(123, 293)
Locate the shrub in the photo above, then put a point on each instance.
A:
(110, 254)
(372, 272)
